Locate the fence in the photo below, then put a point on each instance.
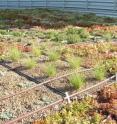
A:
(100, 7)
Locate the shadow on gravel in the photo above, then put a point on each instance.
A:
(18, 72)
(36, 80)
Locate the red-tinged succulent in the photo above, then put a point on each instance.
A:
(4, 47)
(107, 100)
(1, 50)
(24, 48)
(39, 122)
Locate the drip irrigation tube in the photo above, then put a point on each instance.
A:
(93, 88)
(43, 83)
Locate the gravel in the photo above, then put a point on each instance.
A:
(11, 83)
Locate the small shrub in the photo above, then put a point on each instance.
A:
(65, 53)
(50, 70)
(30, 63)
(75, 35)
(77, 80)
(89, 16)
(74, 62)
(72, 30)
(111, 65)
(99, 73)
(68, 35)
(96, 119)
(54, 35)
(15, 54)
(84, 34)
(73, 38)
(60, 37)
(41, 35)
(103, 47)
(107, 36)
(53, 56)
(17, 34)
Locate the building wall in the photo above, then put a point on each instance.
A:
(100, 7)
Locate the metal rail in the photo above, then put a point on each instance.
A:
(43, 83)
(91, 89)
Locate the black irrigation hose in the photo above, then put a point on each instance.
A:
(59, 92)
(43, 83)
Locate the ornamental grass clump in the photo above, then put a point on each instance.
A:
(71, 30)
(53, 55)
(74, 62)
(36, 51)
(73, 38)
(75, 35)
(77, 80)
(50, 70)
(72, 35)
(30, 63)
(99, 73)
(15, 54)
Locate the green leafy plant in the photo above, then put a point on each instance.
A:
(74, 62)
(68, 35)
(14, 54)
(54, 35)
(3, 32)
(30, 63)
(16, 34)
(96, 119)
(74, 35)
(50, 70)
(75, 113)
(73, 38)
(110, 65)
(71, 30)
(84, 34)
(77, 80)
(99, 73)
